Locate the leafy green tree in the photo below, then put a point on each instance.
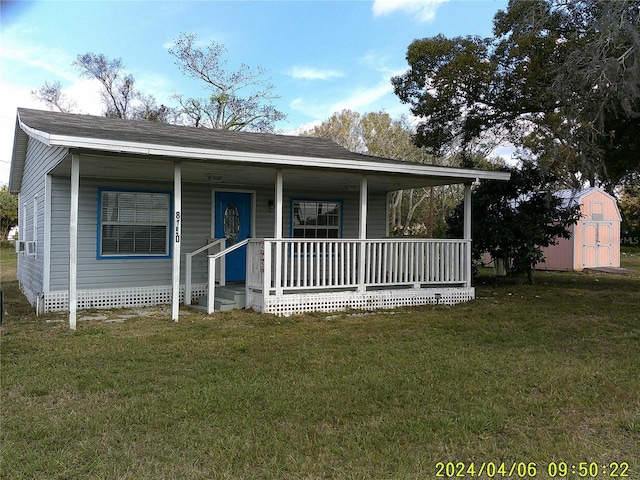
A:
(237, 100)
(343, 128)
(629, 205)
(514, 220)
(560, 79)
(147, 108)
(8, 211)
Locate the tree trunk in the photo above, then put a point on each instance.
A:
(530, 275)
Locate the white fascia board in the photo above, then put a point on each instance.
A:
(272, 159)
(43, 137)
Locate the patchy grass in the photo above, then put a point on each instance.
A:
(630, 258)
(14, 302)
(541, 373)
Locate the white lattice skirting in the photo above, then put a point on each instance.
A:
(118, 297)
(372, 300)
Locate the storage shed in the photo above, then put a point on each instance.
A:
(595, 239)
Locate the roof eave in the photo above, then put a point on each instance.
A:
(18, 157)
(457, 174)
(21, 136)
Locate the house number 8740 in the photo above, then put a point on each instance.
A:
(177, 227)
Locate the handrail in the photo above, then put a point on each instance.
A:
(228, 250)
(188, 262)
(212, 272)
(206, 247)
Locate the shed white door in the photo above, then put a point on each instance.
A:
(597, 250)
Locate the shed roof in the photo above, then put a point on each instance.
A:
(572, 197)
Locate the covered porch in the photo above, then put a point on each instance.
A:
(293, 276)
(361, 267)
(285, 276)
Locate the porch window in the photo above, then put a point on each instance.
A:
(316, 219)
(134, 224)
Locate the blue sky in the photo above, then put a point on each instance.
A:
(322, 56)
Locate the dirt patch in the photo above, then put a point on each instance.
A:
(116, 315)
(611, 270)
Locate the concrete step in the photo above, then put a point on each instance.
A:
(229, 297)
(237, 293)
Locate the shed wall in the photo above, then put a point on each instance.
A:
(560, 256)
(595, 239)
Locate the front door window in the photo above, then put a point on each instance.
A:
(231, 223)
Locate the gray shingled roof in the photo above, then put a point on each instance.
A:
(116, 129)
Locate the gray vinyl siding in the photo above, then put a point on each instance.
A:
(94, 273)
(377, 216)
(40, 158)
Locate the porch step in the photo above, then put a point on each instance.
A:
(229, 297)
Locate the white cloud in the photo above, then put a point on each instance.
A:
(12, 98)
(506, 152)
(305, 127)
(379, 62)
(85, 93)
(158, 85)
(37, 57)
(424, 10)
(360, 99)
(310, 73)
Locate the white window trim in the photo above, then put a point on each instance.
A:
(338, 228)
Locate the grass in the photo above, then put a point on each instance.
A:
(541, 373)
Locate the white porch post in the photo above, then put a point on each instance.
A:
(362, 232)
(211, 295)
(177, 233)
(467, 234)
(73, 240)
(278, 234)
(278, 201)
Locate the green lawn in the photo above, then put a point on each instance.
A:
(544, 373)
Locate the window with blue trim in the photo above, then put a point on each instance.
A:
(316, 219)
(134, 223)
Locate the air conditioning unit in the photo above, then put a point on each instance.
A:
(20, 246)
(31, 248)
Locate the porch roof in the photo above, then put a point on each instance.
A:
(153, 144)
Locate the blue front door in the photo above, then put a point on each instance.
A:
(233, 221)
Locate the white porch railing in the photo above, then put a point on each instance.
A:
(211, 283)
(356, 264)
(213, 272)
(217, 243)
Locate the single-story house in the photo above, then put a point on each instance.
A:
(595, 238)
(118, 213)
